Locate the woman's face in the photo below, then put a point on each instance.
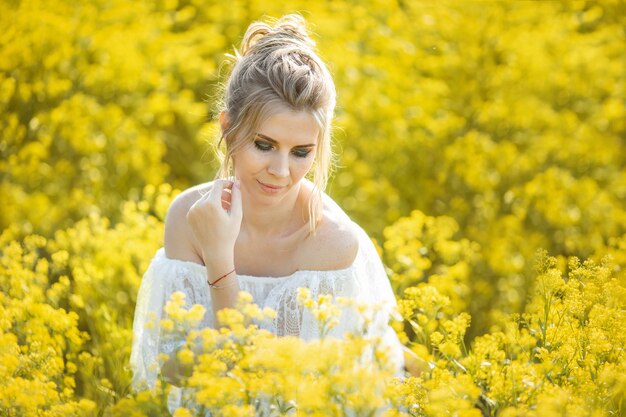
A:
(279, 156)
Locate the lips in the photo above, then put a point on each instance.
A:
(270, 188)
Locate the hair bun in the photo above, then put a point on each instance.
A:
(288, 31)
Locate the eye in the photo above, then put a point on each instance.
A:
(262, 146)
(301, 153)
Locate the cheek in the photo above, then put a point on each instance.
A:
(303, 167)
(247, 161)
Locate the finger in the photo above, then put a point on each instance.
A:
(203, 196)
(226, 196)
(235, 200)
(217, 190)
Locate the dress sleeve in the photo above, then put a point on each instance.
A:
(375, 290)
(162, 278)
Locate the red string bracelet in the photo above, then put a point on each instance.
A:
(212, 284)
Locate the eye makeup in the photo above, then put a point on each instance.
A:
(262, 146)
(267, 144)
(301, 152)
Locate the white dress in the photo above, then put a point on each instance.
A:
(365, 281)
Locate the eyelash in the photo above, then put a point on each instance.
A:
(266, 147)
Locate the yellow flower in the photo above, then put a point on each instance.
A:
(303, 294)
(244, 297)
(167, 324)
(195, 314)
(269, 313)
(185, 356)
(182, 412)
(436, 338)
(178, 298)
(71, 367)
(450, 349)
(230, 317)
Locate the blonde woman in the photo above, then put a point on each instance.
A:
(262, 226)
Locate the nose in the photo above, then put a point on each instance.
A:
(279, 165)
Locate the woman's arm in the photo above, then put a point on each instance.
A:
(185, 223)
(201, 226)
(215, 220)
(413, 363)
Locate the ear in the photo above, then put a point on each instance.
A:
(224, 121)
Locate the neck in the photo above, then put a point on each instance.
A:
(274, 220)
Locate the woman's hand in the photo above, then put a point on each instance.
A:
(414, 364)
(216, 220)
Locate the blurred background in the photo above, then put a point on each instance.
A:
(469, 135)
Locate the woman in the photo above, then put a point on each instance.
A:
(270, 230)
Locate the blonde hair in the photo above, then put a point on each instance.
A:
(277, 68)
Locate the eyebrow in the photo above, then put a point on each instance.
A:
(267, 138)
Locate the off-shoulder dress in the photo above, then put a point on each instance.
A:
(365, 281)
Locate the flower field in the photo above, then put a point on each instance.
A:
(481, 143)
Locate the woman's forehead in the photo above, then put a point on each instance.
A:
(290, 127)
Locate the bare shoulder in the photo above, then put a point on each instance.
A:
(336, 242)
(178, 240)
